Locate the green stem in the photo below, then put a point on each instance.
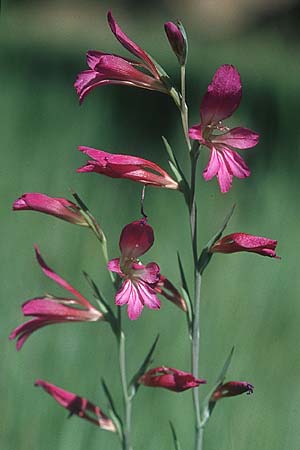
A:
(184, 109)
(127, 399)
(195, 349)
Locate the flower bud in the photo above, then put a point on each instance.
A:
(232, 388)
(178, 40)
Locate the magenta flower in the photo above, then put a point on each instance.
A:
(232, 388)
(58, 207)
(49, 310)
(177, 39)
(80, 406)
(222, 98)
(170, 378)
(242, 242)
(106, 68)
(126, 166)
(139, 281)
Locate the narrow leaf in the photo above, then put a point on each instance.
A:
(103, 304)
(182, 275)
(134, 384)
(175, 167)
(177, 445)
(208, 405)
(112, 409)
(189, 311)
(206, 256)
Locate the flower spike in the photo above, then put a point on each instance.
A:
(222, 98)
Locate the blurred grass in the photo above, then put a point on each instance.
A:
(248, 301)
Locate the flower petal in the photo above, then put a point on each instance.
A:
(131, 46)
(114, 266)
(236, 164)
(150, 273)
(136, 239)
(147, 295)
(238, 138)
(224, 174)
(55, 277)
(213, 165)
(223, 96)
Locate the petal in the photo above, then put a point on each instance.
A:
(53, 309)
(135, 304)
(195, 133)
(238, 138)
(131, 46)
(150, 273)
(123, 294)
(236, 164)
(114, 266)
(147, 295)
(51, 274)
(136, 239)
(223, 96)
(213, 165)
(224, 175)
(23, 331)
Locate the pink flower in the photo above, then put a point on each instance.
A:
(106, 68)
(222, 98)
(49, 310)
(126, 166)
(242, 242)
(58, 207)
(170, 378)
(80, 406)
(177, 39)
(232, 388)
(139, 281)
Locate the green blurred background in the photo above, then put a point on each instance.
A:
(249, 301)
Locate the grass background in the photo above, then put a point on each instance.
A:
(249, 301)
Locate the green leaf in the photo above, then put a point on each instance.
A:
(177, 445)
(103, 304)
(112, 410)
(134, 384)
(206, 255)
(189, 311)
(208, 405)
(182, 275)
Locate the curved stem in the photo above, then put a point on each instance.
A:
(184, 109)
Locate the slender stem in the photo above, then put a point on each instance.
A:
(126, 397)
(184, 109)
(195, 348)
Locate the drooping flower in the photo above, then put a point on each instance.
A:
(232, 388)
(139, 281)
(170, 378)
(48, 310)
(80, 406)
(177, 38)
(126, 166)
(222, 98)
(242, 242)
(106, 68)
(58, 207)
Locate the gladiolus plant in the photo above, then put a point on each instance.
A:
(137, 281)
